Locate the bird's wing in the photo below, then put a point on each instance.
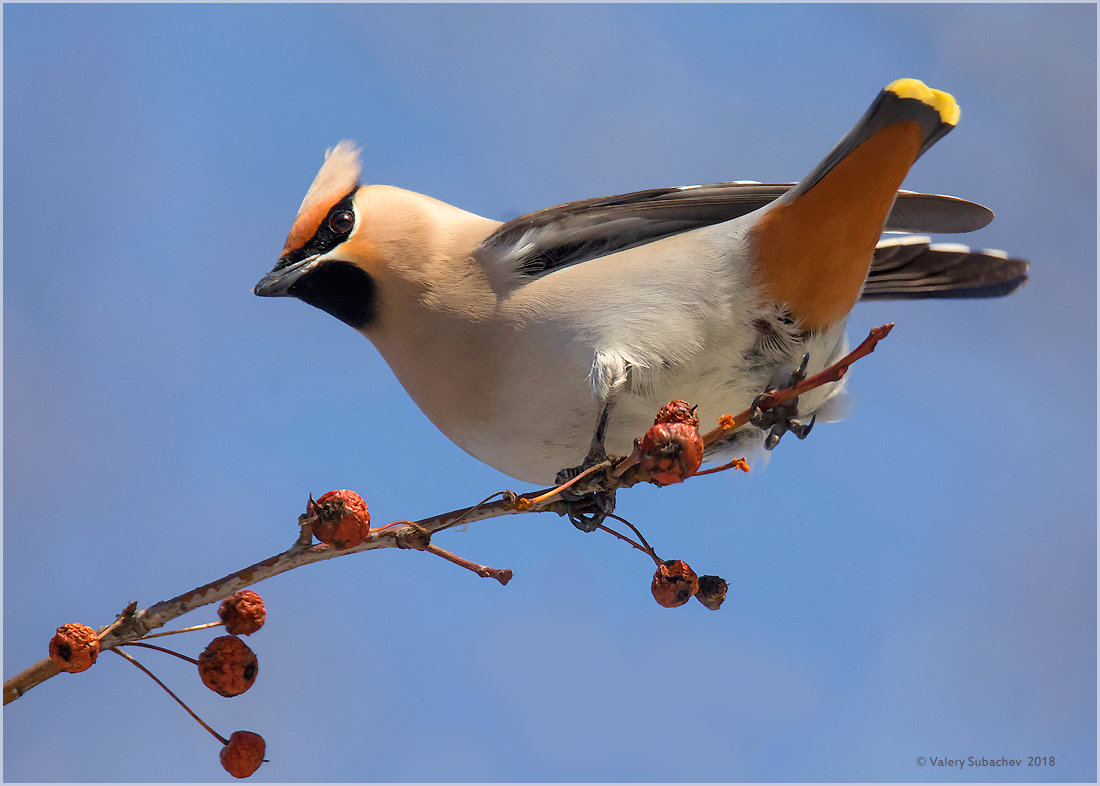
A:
(914, 268)
(552, 238)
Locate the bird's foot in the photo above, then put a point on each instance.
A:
(780, 419)
(587, 510)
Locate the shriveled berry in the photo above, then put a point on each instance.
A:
(674, 583)
(712, 591)
(243, 754)
(243, 613)
(74, 647)
(671, 452)
(227, 666)
(339, 518)
(677, 412)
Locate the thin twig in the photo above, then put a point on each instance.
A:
(168, 690)
(204, 626)
(832, 373)
(416, 537)
(737, 463)
(622, 537)
(502, 575)
(179, 655)
(526, 503)
(648, 549)
(472, 509)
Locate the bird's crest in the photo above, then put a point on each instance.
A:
(338, 176)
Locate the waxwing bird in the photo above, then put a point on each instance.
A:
(519, 340)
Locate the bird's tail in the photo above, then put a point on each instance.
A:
(813, 246)
(915, 268)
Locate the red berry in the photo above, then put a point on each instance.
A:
(74, 647)
(674, 583)
(339, 518)
(228, 666)
(243, 613)
(677, 412)
(671, 452)
(243, 754)
(712, 591)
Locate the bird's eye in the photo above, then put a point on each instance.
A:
(341, 222)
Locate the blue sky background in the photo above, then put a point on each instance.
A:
(919, 580)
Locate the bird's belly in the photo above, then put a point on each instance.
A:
(538, 430)
(542, 423)
(536, 424)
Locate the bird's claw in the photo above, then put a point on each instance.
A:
(780, 419)
(586, 511)
(589, 511)
(799, 374)
(797, 427)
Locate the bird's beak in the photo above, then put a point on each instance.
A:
(283, 277)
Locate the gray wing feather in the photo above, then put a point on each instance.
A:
(574, 232)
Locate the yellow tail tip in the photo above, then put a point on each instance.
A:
(944, 103)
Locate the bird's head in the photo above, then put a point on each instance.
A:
(326, 259)
(364, 252)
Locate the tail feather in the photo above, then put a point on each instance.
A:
(914, 268)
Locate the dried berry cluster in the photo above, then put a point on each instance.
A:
(670, 452)
(227, 666)
(675, 583)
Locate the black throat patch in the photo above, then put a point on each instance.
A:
(338, 288)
